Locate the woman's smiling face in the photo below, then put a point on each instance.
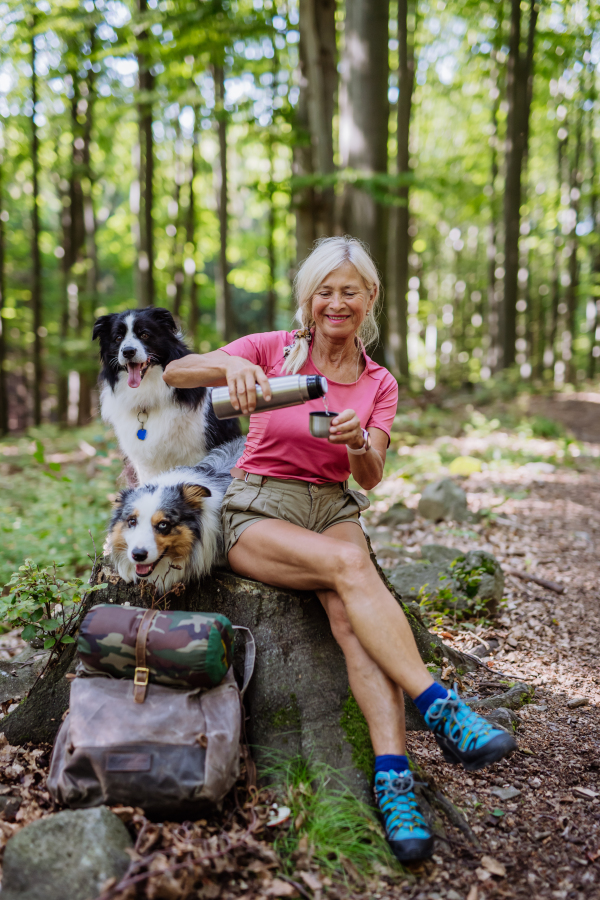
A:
(341, 303)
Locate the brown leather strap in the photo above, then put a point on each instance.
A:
(140, 678)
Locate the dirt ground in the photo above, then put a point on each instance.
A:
(547, 839)
(535, 817)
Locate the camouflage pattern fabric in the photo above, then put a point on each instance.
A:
(184, 649)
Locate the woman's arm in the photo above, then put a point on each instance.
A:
(219, 368)
(367, 468)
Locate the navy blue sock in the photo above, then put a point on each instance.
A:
(389, 761)
(433, 693)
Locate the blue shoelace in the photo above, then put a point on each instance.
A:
(455, 720)
(398, 804)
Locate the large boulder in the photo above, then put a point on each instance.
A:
(443, 500)
(69, 854)
(449, 579)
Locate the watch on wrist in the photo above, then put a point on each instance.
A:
(366, 446)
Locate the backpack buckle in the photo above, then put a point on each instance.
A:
(141, 675)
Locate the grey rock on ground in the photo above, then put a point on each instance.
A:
(443, 500)
(439, 554)
(398, 514)
(67, 855)
(516, 697)
(415, 580)
(503, 717)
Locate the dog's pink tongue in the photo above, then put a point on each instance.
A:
(134, 374)
(142, 570)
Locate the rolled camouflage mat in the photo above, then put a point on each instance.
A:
(184, 649)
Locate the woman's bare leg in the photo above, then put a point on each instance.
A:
(381, 701)
(285, 555)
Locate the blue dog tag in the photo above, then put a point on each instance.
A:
(142, 434)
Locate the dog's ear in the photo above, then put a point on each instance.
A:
(121, 498)
(102, 327)
(194, 494)
(164, 317)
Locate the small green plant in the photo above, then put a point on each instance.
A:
(340, 832)
(468, 580)
(43, 604)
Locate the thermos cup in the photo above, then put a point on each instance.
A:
(288, 390)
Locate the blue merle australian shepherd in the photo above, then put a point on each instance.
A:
(157, 426)
(169, 529)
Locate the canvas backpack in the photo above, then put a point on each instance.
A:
(137, 742)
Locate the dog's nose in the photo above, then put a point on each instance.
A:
(128, 352)
(138, 554)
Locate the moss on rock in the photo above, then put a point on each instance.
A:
(357, 734)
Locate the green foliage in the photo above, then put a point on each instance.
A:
(52, 512)
(545, 428)
(342, 833)
(468, 580)
(43, 604)
(462, 590)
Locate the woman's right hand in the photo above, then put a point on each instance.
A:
(242, 378)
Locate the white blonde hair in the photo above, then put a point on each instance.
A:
(328, 255)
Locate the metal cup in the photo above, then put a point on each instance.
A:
(319, 423)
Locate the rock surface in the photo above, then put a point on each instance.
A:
(443, 500)
(503, 717)
(398, 514)
(67, 855)
(514, 698)
(425, 579)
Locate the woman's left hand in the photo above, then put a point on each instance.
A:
(346, 429)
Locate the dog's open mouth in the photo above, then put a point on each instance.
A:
(135, 373)
(144, 569)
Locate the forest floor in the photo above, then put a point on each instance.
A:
(535, 816)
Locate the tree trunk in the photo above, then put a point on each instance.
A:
(297, 701)
(315, 214)
(594, 247)
(573, 286)
(176, 253)
(225, 317)
(194, 312)
(146, 171)
(520, 75)
(560, 158)
(364, 111)
(3, 386)
(494, 353)
(271, 307)
(36, 263)
(407, 13)
(90, 297)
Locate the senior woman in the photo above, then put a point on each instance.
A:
(290, 520)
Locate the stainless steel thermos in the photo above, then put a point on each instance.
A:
(288, 390)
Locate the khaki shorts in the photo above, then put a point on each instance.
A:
(313, 506)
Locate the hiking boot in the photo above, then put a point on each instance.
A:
(465, 737)
(405, 828)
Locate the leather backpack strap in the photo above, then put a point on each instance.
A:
(142, 672)
(249, 656)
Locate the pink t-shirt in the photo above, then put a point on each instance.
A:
(279, 443)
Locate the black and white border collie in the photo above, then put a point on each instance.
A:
(157, 426)
(169, 530)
